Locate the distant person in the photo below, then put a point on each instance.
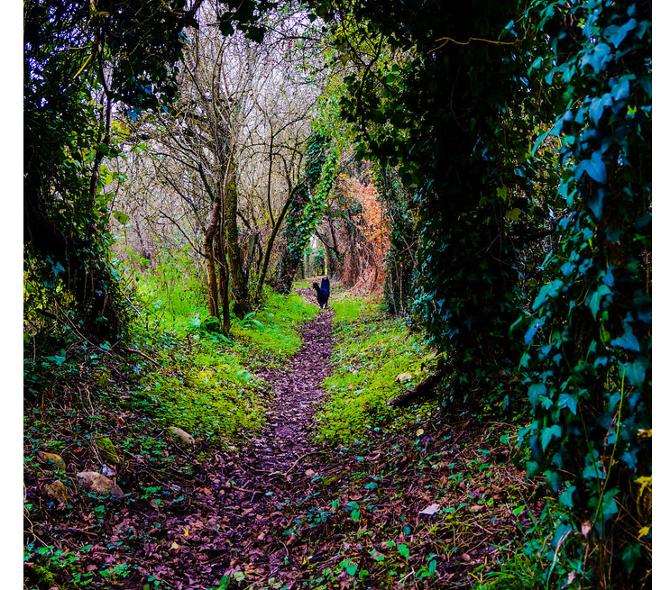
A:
(322, 292)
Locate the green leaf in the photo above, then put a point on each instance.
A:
(566, 497)
(568, 400)
(609, 506)
(630, 556)
(628, 341)
(548, 433)
(349, 566)
(403, 550)
(121, 217)
(535, 391)
(547, 291)
(596, 296)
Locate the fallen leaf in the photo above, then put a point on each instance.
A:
(431, 510)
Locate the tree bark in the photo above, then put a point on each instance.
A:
(271, 240)
(210, 260)
(238, 276)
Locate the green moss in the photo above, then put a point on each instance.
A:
(210, 394)
(107, 450)
(372, 350)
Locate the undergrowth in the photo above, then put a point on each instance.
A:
(376, 358)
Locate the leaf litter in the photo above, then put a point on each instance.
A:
(433, 506)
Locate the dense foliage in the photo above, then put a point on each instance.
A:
(555, 236)
(589, 334)
(504, 145)
(306, 208)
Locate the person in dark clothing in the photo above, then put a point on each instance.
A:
(322, 292)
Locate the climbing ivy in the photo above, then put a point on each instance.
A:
(307, 206)
(313, 211)
(588, 333)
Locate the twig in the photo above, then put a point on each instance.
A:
(142, 354)
(284, 473)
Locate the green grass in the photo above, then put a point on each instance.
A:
(372, 350)
(348, 309)
(205, 384)
(272, 332)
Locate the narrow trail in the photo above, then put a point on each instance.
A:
(281, 460)
(297, 391)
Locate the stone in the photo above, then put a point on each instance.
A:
(52, 459)
(57, 490)
(403, 377)
(182, 435)
(99, 484)
(107, 450)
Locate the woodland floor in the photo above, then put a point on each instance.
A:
(285, 512)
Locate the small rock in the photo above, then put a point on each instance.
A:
(57, 490)
(310, 473)
(107, 450)
(431, 510)
(100, 484)
(182, 435)
(402, 377)
(51, 458)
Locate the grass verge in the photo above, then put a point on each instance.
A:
(376, 358)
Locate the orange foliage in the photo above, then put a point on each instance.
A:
(368, 240)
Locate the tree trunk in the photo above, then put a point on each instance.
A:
(268, 249)
(224, 287)
(238, 276)
(210, 260)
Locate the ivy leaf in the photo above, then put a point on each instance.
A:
(598, 58)
(548, 433)
(596, 297)
(349, 566)
(635, 372)
(535, 391)
(628, 341)
(566, 497)
(616, 34)
(568, 400)
(547, 291)
(609, 506)
(630, 556)
(594, 167)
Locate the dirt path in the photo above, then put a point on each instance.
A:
(297, 390)
(281, 461)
